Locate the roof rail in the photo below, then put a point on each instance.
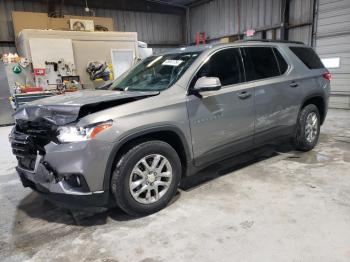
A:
(270, 41)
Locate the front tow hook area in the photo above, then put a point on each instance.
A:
(46, 174)
(42, 173)
(46, 179)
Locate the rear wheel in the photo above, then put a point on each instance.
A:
(308, 128)
(146, 178)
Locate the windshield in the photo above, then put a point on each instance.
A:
(155, 73)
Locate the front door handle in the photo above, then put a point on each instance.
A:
(293, 84)
(244, 95)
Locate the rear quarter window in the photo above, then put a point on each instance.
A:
(308, 56)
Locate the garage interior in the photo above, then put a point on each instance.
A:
(269, 204)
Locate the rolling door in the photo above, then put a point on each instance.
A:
(333, 46)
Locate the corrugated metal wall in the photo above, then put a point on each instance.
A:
(333, 40)
(7, 48)
(301, 12)
(217, 18)
(220, 18)
(6, 7)
(153, 28)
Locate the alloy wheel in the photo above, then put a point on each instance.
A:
(150, 179)
(311, 127)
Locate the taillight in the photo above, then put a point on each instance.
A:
(327, 76)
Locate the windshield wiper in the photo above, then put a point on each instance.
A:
(118, 88)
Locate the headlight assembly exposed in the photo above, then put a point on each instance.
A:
(76, 134)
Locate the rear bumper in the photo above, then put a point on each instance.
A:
(55, 192)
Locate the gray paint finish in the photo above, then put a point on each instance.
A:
(213, 125)
(221, 118)
(277, 207)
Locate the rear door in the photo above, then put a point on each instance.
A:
(277, 95)
(222, 122)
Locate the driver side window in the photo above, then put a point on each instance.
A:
(226, 65)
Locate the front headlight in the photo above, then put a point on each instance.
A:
(76, 133)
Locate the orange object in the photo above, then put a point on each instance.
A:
(99, 129)
(31, 89)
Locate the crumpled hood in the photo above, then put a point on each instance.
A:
(67, 108)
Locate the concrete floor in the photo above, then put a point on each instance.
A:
(272, 204)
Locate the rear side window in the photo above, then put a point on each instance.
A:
(226, 65)
(308, 56)
(260, 63)
(281, 62)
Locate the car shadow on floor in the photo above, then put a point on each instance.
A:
(36, 206)
(229, 165)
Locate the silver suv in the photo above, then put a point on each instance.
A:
(168, 117)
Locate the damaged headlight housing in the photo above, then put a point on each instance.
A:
(76, 134)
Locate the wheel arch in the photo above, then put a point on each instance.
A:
(319, 101)
(169, 134)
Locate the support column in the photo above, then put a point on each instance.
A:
(285, 19)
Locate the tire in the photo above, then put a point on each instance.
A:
(130, 171)
(303, 141)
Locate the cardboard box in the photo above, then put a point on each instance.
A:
(58, 24)
(28, 20)
(103, 21)
(81, 24)
(33, 20)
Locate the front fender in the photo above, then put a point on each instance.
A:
(137, 133)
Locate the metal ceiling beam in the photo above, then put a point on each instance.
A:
(170, 4)
(198, 2)
(126, 5)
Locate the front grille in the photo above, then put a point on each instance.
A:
(29, 138)
(21, 146)
(24, 148)
(40, 133)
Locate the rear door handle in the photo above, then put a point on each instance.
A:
(293, 84)
(244, 95)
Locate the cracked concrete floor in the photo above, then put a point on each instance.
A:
(271, 204)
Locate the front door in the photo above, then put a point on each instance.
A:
(222, 122)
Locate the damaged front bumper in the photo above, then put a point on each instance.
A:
(72, 173)
(80, 201)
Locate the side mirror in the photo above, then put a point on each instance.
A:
(204, 84)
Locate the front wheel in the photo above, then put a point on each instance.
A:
(308, 128)
(146, 178)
